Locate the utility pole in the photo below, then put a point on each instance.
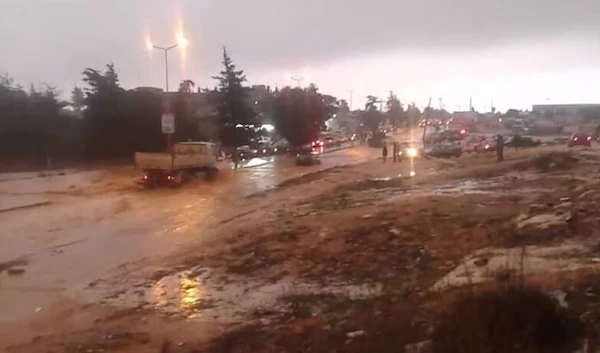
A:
(439, 99)
(471, 104)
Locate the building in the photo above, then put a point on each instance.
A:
(564, 109)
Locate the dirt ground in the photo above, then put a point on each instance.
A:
(356, 259)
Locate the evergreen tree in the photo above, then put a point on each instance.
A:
(77, 99)
(233, 107)
(395, 113)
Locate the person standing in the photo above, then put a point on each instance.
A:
(385, 153)
(395, 152)
(500, 148)
(235, 156)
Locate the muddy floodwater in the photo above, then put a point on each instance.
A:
(87, 225)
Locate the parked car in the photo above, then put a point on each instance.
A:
(377, 139)
(444, 150)
(307, 155)
(331, 141)
(281, 146)
(266, 149)
(486, 145)
(447, 135)
(246, 152)
(579, 139)
(519, 141)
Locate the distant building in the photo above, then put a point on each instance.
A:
(149, 89)
(464, 117)
(565, 109)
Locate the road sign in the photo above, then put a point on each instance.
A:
(168, 123)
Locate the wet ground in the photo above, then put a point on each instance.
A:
(277, 243)
(92, 223)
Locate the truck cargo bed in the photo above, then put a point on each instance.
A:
(167, 161)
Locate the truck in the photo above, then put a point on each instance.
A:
(171, 168)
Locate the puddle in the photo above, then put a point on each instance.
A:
(195, 294)
(464, 187)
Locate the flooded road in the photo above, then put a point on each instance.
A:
(92, 225)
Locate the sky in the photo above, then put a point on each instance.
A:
(509, 53)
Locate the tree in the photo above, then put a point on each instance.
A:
(332, 105)
(186, 86)
(413, 113)
(371, 102)
(299, 114)
(395, 112)
(32, 125)
(77, 99)
(371, 117)
(343, 106)
(513, 113)
(233, 107)
(107, 131)
(186, 127)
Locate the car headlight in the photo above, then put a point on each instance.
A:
(412, 152)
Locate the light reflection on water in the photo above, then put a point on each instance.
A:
(189, 292)
(177, 290)
(193, 295)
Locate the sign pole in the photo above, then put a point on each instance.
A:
(168, 127)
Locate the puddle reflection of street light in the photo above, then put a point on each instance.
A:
(189, 294)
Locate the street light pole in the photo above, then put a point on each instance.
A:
(166, 51)
(298, 80)
(167, 105)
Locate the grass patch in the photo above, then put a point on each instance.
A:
(510, 319)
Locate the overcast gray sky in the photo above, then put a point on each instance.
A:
(516, 52)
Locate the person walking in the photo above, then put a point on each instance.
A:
(500, 148)
(385, 153)
(395, 152)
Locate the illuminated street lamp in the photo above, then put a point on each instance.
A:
(182, 42)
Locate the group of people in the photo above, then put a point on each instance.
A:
(395, 150)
